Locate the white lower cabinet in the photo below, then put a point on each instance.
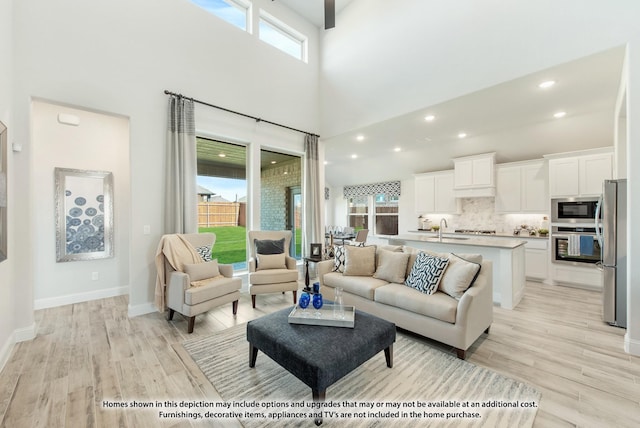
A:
(588, 277)
(536, 253)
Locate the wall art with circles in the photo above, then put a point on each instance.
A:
(84, 214)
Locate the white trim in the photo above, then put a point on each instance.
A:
(19, 335)
(145, 308)
(5, 351)
(631, 346)
(53, 302)
(25, 333)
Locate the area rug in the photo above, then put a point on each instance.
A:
(425, 387)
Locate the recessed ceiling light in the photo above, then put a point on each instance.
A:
(397, 149)
(547, 84)
(360, 137)
(560, 114)
(273, 162)
(429, 117)
(354, 156)
(462, 135)
(222, 155)
(325, 162)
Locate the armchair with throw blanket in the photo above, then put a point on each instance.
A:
(188, 281)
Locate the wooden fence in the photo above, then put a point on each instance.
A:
(214, 214)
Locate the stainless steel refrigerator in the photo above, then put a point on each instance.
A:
(613, 244)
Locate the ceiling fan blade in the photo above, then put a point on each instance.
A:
(329, 14)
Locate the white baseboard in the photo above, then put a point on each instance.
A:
(631, 346)
(19, 335)
(145, 308)
(69, 299)
(5, 351)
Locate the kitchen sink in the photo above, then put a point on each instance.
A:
(446, 238)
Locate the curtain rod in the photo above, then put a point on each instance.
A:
(257, 119)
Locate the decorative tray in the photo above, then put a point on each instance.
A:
(326, 316)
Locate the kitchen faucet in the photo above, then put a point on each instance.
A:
(440, 230)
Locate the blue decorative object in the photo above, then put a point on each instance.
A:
(304, 301)
(316, 287)
(317, 302)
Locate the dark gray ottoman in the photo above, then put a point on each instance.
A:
(318, 355)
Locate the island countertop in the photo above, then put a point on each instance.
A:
(470, 240)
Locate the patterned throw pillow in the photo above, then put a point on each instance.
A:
(426, 273)
(339, 263)
(205, 253)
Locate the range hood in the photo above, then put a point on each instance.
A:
(474, 176)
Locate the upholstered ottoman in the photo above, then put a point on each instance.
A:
(319, 355)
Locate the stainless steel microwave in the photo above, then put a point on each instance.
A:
(574, 210)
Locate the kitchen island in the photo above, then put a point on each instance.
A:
(507, 256)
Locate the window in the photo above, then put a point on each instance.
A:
(386, 215)
(283, 37)
(235, 12)
(359, 212)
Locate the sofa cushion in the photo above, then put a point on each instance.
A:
(272, 276)
(438, 305)
(338, 251)
(200, 271)
(217, 288)
(426, 273)
(271, 261)
(459, 275)
(391, 266)
(359, 261)
(363, 286)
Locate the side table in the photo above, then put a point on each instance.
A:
(306, 270)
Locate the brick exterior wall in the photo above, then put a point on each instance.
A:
(275, 194)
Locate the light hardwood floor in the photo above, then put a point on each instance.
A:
(89, 352)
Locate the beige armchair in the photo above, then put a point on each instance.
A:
(194, 286)
(270, 273)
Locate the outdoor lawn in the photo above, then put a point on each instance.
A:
(231, 243)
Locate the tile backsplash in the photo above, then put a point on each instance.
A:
(479, 213)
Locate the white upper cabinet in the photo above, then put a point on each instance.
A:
(521, 187)
(475, 175)
(579, 175)
(434, 193)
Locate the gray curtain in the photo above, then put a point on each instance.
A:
(180, 209)
(313, 194)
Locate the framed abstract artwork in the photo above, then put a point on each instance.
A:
(84, 214)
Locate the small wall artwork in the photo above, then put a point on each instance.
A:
(84, 214)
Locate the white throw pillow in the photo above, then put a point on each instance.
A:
(200, 271)
(392, 266)
(460, 275)
(359, 261)
(271, 261)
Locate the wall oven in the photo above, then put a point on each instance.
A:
(574, 210)
(575, 244)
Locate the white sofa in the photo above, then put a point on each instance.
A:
(455, 322)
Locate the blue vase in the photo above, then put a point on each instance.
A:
(304, 301)
(317, 303)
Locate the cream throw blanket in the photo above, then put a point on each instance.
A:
(177, 251)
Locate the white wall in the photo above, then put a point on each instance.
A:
(118, 56)
(101, 143)
(7, 294)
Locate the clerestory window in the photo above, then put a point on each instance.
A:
(281, 36)
(235, 12)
